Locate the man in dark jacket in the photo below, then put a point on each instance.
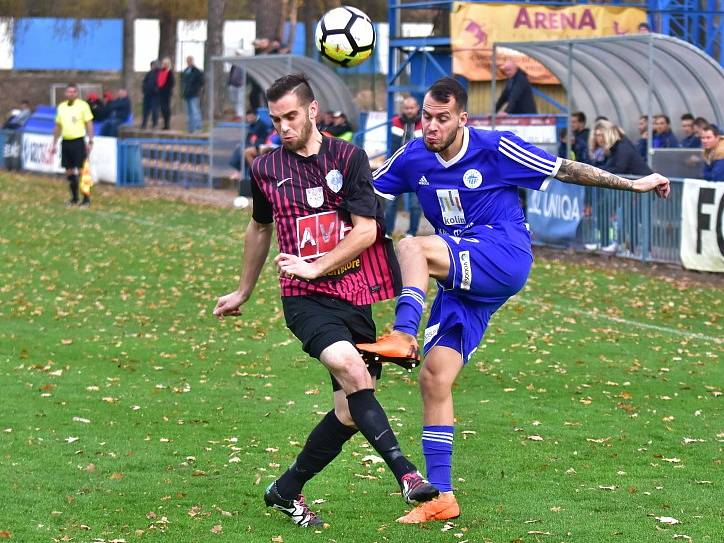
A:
(192, 81)
(150, 96)
(691, 139)
(580, 135)
(517, 96)
(663, 136)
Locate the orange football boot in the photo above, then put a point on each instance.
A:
(444, 507)
(393, 345)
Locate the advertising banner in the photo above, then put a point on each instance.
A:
(554, 214)
(37, 155)
(474, 27)
(702, 225)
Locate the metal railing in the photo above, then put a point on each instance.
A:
(630, 225)
(183, 162)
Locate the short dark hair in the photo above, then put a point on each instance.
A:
(701, 122)
(644, 117)
(662, 116)
(251, 112)
(442, 89)
(687, 117)
(297, 84)
(601, 118)
(644, 25)
(72, 84)
(580, 116)
(713, 128)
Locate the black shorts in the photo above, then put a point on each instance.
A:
(73, 153)
(320, 321)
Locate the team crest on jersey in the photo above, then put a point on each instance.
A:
(451, 206)
(472, 178)
(334, 180)
(315, 196)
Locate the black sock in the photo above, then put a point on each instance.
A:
(323, 445)
(370, 418)
(73, 180)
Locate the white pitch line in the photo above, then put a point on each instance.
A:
(619, 320)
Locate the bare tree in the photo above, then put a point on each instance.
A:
(214, 48)
(129, 18)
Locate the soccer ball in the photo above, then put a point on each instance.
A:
(345, 36)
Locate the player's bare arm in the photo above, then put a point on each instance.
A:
(256, 248)
(584, 174)
(56, 134)
(362, 235)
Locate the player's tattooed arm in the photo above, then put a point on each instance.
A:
(585, 174)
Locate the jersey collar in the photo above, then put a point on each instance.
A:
(461, 152)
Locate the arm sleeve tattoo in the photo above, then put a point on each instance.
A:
(585, 174)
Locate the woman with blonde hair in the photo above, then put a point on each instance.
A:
(620, 154)
(165, 82)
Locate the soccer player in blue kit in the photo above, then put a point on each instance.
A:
(467, 182)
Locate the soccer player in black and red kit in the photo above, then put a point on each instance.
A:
(334, 262)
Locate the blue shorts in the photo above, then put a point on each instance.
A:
(484, 272)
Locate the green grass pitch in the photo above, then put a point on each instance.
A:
(128, 413)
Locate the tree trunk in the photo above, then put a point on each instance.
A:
(267, 20)
(167, 39)
(309, 17)
(215, 48)
(129, 19)
(293, 17)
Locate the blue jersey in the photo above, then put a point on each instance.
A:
(475, 189)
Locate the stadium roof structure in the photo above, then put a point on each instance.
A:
(624, 77)
(329, 89)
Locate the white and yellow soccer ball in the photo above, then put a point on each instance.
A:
(345, 36)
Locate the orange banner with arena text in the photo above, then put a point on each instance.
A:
(475, 27)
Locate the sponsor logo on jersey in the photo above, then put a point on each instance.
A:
(318, 234)
(343, 269)
(423, 181)
(431, 332)
(466, 270)
(315, 196)
(334, 180)
(451, 206)
(472, 178)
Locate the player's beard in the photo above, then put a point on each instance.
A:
(302, 140)
(440, 147)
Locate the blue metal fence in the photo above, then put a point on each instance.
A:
(631, 225)
(181, 162)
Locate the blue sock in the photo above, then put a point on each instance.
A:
(437, 445)
(408, 311)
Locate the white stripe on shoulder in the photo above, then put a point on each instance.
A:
(526, 160)
(559, 161)
(387, 163)
(525, 151)
(523, 162)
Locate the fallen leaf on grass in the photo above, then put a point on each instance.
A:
(681, 536)
(71, 439)
(277, 539)
(116, 476)
(668, 520)
(216, 529)
(535, 438)
(372, 459)
(4, 534)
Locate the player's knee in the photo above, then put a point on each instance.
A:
(408, 246)
(343, 415)
(433, 383)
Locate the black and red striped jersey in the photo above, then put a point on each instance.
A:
(311, 200)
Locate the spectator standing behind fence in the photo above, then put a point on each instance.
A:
(517, 95)
(118, 111)
(405, 127)
(713, 144)
(235, 84)
(73, 122)
(690, 139)
(340, 127)
(192, 82)
(165, 81)
(150, 96)
(663, 136)
(620, 152)
(581, 135)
